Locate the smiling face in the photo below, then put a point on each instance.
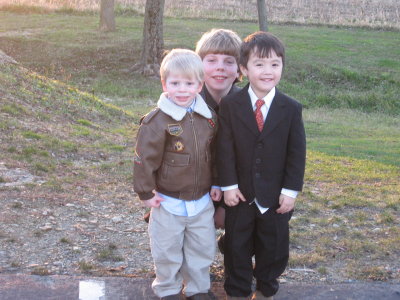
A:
(181, 89)
(264, 73)
(220, 71)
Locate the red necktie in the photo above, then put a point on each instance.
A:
(258, 114)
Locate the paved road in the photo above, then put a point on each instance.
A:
(30, 287)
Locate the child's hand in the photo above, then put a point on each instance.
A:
(286, 204)
(219, 218)
(153, 202)
(216, 194)
(232, 197)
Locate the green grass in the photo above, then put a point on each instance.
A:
(85, 267)
(346, 78)
(331, 67)
(31, 135)
(354, 134)
(107, 254)
(13, 109)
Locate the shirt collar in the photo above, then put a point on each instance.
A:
(191, 107)
(268, 98)
(178, 112)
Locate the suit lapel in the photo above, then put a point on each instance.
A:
(244, 110)
(275, 114)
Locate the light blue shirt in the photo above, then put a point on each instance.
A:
(184, 208)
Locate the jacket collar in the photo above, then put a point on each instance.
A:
(177, 112)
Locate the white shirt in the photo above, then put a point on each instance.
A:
(264, 110)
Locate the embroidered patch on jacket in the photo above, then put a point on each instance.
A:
(137, 159)
(179, 146)
(211, 123)
(175, 129)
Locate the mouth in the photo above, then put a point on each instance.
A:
(182, 98)
(219, 77)
(267, 79)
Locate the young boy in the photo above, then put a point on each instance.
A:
(173, 176)
(261, 160)
(219, 50)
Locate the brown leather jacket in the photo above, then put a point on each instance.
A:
(173, 151)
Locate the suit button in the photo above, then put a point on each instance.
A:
(258, 175)
(258, 161)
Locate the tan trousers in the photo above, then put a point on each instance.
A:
(183, 249)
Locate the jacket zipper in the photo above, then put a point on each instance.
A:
(196, 158)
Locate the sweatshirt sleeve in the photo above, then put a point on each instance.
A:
(147, 159)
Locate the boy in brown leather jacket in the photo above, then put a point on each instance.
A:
(173, 176)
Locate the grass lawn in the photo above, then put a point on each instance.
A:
(348, 80)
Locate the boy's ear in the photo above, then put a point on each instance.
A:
(243, 70)
(164, 85)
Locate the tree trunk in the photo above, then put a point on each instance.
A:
(107, 16)
(262, 15)
(153, 40)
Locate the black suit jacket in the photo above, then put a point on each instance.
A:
(261, 163)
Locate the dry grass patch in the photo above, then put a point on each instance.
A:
(348, 213)
(373, 13)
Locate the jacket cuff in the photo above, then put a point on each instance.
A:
(145, 196)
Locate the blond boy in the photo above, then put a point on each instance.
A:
(173, 176)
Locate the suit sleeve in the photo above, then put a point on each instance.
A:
(296, 153)
(147, 160)
(226, 162)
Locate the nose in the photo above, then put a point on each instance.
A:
(181, 87)
(220, 65)
(267, 69)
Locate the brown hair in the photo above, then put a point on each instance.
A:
(219, 41)
(261, 43)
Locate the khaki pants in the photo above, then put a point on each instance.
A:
(183, 249)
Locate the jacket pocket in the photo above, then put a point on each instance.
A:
(172, 159)
(176, 159)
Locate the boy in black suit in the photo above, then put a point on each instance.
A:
(261, 162)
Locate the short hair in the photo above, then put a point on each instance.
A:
(261, 43)
(219, 41)
(183, 61)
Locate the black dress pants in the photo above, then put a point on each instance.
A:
(248, 233)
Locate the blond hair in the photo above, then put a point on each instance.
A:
(219, 41)
(183, 61)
